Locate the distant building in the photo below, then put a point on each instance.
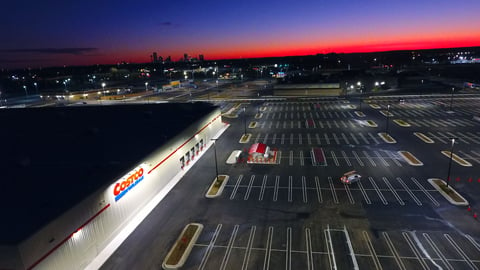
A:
(185, 57)
(154, 57)
(201, 58)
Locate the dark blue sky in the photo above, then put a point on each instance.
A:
(45, 33)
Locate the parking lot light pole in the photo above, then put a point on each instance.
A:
(451, 99)
(450, 161)
(388, 115)
(215, 154)
(244, 122)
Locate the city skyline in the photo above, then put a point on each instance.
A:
(34, 34)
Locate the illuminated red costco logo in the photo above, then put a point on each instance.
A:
(122, 187)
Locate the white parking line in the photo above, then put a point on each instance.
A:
(336, 124)
(394, 251)
(290, 190)
(302, 159)
(385, 163)
(290, 160)
(374, 255)
(331, 254)
(346, 158)
(291, 138)
(288, 251)
(249, 188)
(308, 242)
(472, 241)
(373, 138)
(352, 252)
(328, 124)
(266, 138)
(393, 158)
(284, 124)
(239, 179)
(415, 250)
(326, 138)
(278, 123)
(268, 251)
(300, 138)
(262, 189)
(210, 247)
(335, 160)
(282, 140)
(438, 252)
(399, 199)
(468, 156)
(460, 251)
(229, 248)
(304, 190)
(364, 193)
(291, 123)
(257, 138)
(349, 194)
(275, 189)
(345, 138)
(354, 138)
(318, 139)
(357, 158)
(369, 159)
(335, 138)
(417, 201)
(425, 191)
(274, 138)
(332, 189)
(309, 139)
(379, 193)
(319, 191)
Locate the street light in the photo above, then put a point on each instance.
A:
(215, 153)
(146, 86)
(244, 122)
(25, 88)
(450, 162)
(388, 115)
(36, 87)
(451, 99)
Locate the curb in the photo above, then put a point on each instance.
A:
(386, 137)
(247, 139)
(449, 199)
(178, 245)
(423, 137)
(416, 162)
(220, 188)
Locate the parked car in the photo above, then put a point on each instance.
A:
(350, 177)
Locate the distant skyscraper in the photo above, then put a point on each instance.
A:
(200, 57)
(154, 57)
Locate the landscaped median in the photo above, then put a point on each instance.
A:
(375, 106)
(448, 192)
(258, 115)
(386, 113)
(401, 123)
(410, 158)
(216, 188)
(370, 123)
(457, 159)
(359, 114)
(245, 138)
(423, 137)
(178, 254)
(232, 112)
(386, 137)
(252, 125)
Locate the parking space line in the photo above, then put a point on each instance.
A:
(309, 140)
(291, 138)
(210, 247)
(319, 191)
(336, 124)
(364, 193)
(415, 250)
(451, 135)
(248, 250)
(346, 158)
(369, 159)
(270, 125)
(290, 188)
(328, 124)
(349, 194)
(335, 138)
(308, 242)
(417, 201)
(300, 138)
(278, 124)
(363, 138)
(268, 251)
(239, 179)
(343, 123)
(385, 163)
(392, 157)
(345, 138)
(275, 189)
(274, 138)
(291, 123)
(304, 190)
(302, 159)
(352, 124)
(350, 247)
(357, 158)
(472, 241)
(394, 192)
(374, 255)
(332, 189)
(354, 138)
(282, 140)
(249, 188)
(394, 251)
(379, 193)
(318, 139)
(229, 248)
(266, 138)
(290, 160)
(373, 138)
(288, 251)
(438, 252)
(335, 160)
(326, 138)
(468, 156)
(331, 254)
(284, 124)
(262, 190)
(425, 191)
(460, 251)
(257, 138)
(320, 123)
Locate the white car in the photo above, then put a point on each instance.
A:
(350, 177)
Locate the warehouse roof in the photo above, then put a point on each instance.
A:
(52, 158)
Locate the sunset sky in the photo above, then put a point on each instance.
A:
(52, 32)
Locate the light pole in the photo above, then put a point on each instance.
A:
(388, 115)
(146, 86)
(451, 99)
(215, 153)
(103, 90)
(26, 93)
(36, 87)
(450, 162)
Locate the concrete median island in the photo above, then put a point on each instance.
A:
(448, 192)
(178, 254)
(401, 123)
(217, 186)
(410, 158)
(245, 138)
(423, 137)
(386, 137)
